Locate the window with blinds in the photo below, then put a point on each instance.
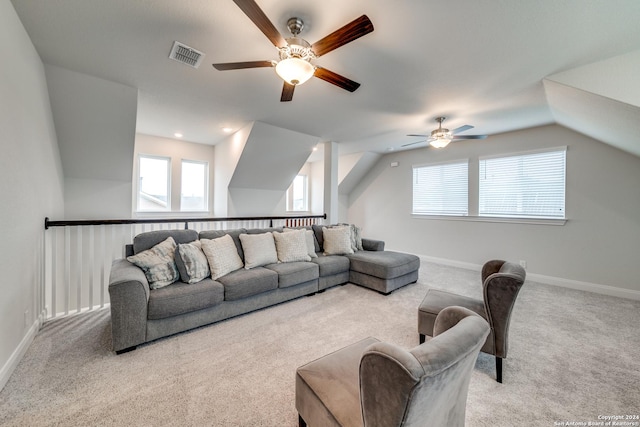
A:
(441, 189)
(527, 185)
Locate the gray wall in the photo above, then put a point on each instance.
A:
(32, 186)
(599, 244)
(95, 122)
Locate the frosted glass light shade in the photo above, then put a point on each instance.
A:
(294, 71)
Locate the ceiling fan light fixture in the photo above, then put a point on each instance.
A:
(294, 71)
(440, 138)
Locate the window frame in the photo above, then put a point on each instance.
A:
(206, 184)
(462, 185)
(289, 200)
(139, 184)
(526, 216)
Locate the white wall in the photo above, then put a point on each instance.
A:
(32, 187)
(177, 151)
(599, 244)
(95, 122)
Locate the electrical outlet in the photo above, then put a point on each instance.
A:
(523, 264)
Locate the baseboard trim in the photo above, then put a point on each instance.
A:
(19, 352)
(549, 280)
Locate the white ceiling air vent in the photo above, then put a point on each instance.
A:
(185, 54)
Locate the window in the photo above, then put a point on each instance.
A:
(193, 195)
(298, 194)
(441, 189)
(153, 183)
(529, 185)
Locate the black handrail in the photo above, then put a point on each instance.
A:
(63, 223)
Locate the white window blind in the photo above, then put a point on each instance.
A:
(529, 185)
(441, 189)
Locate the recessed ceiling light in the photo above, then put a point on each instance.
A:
(177, 135)
(315, 148)
(227, 129)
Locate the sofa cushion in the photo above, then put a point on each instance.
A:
(294, 273)
(384, 264)
(158, 264)
(222, 255)
(291, 246)
(235, 235)
(259, 249)
(244, 283)
(331, 264)
(337, 240)
(184, 298)
(149, 239)
(192, 262)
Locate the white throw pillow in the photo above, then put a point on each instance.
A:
(259, 249)
(222, 255)
(158, 264)
(192, 262)
(292, 246)
(337, 240)
(311, 244)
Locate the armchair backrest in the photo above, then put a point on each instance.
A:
(501, 281)
(426, 386)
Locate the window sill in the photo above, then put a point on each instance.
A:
(473, 218)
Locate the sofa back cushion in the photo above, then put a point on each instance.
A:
(144, 241)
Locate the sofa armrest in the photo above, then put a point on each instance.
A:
(372, 245)
(129, 295)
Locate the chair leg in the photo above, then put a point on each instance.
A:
(301, 422)
(499, 369)
(422, 338)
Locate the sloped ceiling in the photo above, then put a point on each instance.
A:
(271, 158)
(601, 100)
(477, 62)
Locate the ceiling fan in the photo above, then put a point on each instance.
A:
(294, 65)
(441, 137)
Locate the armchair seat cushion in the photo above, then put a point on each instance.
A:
(327, 389)
(437, 300)
(181, 298)
(243, 283)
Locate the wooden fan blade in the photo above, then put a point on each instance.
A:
(240, 65)
(455, 137)
(336, 79)
(353, 30)
(257, 16)
(287, 92)
(461, 129)
(421, 136)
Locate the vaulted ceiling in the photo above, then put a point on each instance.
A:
(499, 65)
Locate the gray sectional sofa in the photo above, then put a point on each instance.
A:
(140, 314)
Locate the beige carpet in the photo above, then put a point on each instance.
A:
(574, 356)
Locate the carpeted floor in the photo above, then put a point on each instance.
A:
(573, 356)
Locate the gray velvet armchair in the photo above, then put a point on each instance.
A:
(377, 384)
(501, 282)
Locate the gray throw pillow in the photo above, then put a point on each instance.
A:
(192, 262)
(158, 264)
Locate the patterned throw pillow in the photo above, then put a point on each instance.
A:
(259, 249)
(311, 241)
(222, 255)
(158, 264)
(337, 240)
(192, 262)
(292, 246)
